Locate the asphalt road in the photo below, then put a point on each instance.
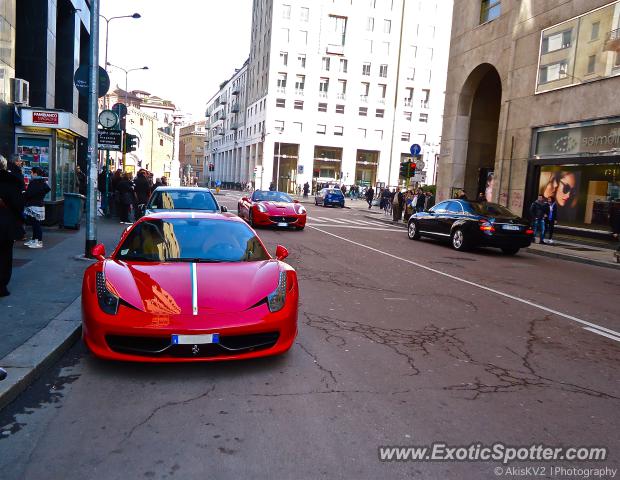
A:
(400, 343)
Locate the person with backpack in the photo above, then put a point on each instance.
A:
(35, 210)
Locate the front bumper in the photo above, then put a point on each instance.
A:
(270, 220)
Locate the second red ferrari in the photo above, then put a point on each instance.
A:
(272, 209)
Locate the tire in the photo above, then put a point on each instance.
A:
(459, 240)
(510, 250)
(412, 231)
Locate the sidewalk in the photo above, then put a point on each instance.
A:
(42, 316)
(561, 249)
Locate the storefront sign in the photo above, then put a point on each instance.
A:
(581, 140)
(110, 140)
(47, 118)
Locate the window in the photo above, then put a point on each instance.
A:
(369, 45)
(280, 102)
(383, 71)
(365, 90)
(339, 108)
(557, 41)
(298, 105)
(405, 136)
(344, 65)
(337, 30)
(279, 125)
(286, 12)
(326, 62)
(366, 68)
(591, 64)
(426, 95)
(322, 107)
(282, 82)
(363, 111)
(382, 92)
(423, 118)
(285, 35)
(379, 113)
(338, 131)
(554, 71)
(409, 97)
(370, 24)
(302, 36)
(372, 3)
(304, 14)
(596, 26)
(385, 46)
(323, 87)
(410, 73)
(300, 84)
(298, 127)
(342, 89)
(490, 10)
(379, 134)
(407, 116)
(321, 129)
(387, 26)
(284, 58)
(301, 60)
(361, 132)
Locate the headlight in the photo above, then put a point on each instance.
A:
(276, 299)
(300, 209)
(261, 208)
(108, 302)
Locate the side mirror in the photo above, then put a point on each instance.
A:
(98, 251)
(281, 252)
(223, 209)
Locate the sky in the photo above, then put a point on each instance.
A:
(190, 46)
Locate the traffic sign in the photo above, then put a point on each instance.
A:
(110, 140)
(419, 177)
(120, 109)
(415, 149)
(81, 81)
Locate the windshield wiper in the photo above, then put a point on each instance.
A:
(194, 260)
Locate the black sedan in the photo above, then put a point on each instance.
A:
(469, 224)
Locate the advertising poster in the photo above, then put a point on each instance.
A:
(563, 183)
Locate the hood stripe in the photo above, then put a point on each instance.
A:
(194, 289)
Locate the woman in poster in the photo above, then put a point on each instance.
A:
(563, 186)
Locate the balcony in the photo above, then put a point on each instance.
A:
(299, 92)
(235, 108)
(322, 94)
(208, 113)
(381, 101)
(424, 104)
(281, 89)
(223, 99)
(612, 42)
(234, 126)
(236, 90)
(342, 96)
(408, 102)
(364, 98)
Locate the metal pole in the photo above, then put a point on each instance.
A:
(126, 104)
(91, 205)
(278, 170)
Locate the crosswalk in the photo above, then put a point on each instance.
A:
(350, 223)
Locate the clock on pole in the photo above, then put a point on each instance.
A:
(108, 119)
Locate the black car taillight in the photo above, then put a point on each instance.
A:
(486, 226)
(108, 302)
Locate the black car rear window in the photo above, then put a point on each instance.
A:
(488, 209)
(182, 200)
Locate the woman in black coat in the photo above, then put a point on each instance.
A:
(127, 197)
(11, 209)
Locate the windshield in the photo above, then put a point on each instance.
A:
(489, 209)
(182, 200)
(335, 192)
(192, 240)
(268, 196)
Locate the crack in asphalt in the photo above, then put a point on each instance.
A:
(321, 392)
(326, 371)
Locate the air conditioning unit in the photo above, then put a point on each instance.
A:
(20, 94)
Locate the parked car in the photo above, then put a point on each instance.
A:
(186, 287)
(272, 209)
(330, 196)
(469, 224)
(182, 198)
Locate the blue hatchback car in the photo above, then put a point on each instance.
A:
(329, 196)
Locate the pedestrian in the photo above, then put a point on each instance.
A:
(430, 200)
(15, 168)
(481, 197)
(158, 182)
(420, 201)
(397, 205)
(127, 197)
(35, 210)
(462, 195)
(272, 187)
(409, 205)
(116, 201)
(142, 188)
(552, 218)
(614, 220)
(102, 179)
(306, 189)
(343, 189)
(164, 181)
(539, 211)
(370, 194)
(81, 180)
(11, 210)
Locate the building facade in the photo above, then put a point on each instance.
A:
(529, 107)
(192, 139)
(338, 91)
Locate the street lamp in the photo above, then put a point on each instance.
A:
(126, 77)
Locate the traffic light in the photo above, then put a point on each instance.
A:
(211, 167)
(407, 169)
(131, 143)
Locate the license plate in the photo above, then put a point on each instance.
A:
(282, 224)
(512, 227)
(195, 339)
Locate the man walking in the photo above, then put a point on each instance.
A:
(11, 210)
(397, 205)
(551, 219)
(539, 212)
(306, 189)
(370, 194)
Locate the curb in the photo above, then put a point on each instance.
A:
(28, 361)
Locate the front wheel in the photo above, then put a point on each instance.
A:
(412, 231)
(510, 250)
(459, 241)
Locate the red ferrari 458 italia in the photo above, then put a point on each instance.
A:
(184, 287)
(272, 209)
